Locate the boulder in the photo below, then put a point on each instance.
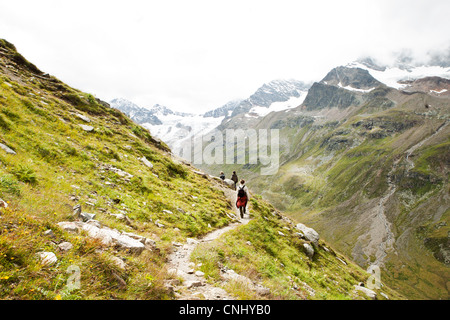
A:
(69, 226)
(229, 183)
(369, 293)
(108, 237)
(309, 250)
(65, 246)
(126, 243)
(86, 127)
(200, 173)
(47, 258)
(87, 216)
(308, 233)
(118, 262)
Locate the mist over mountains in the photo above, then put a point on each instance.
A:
(362, 75)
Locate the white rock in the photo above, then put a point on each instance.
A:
(369, 293)
(7, 149)
(65, 246)
(130, 244)
(69, 226)
(193, 284)
(199, 273)
(309, 249)
(192, 241)
(82, 117)
(309, 233)
(47, 258)
(86, 127)
(229, 183)
(146, 162)
(3, 204)
(118, 262)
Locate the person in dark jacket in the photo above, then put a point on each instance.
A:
(222, 175)
(242, 198)
(235, 179)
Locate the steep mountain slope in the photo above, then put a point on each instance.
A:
(367, 166)
(92, 206)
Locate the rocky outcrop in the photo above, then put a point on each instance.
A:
(308, 233)
(109, 237)
(322, 96)
(355, 78)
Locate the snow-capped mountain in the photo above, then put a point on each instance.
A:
(170, 126)
(276, 95)
(174, 128)
(398, 75)
(358, 77)
(225, 110)
(135, 112)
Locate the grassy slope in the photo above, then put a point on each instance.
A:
(58, 165)
(56, 161)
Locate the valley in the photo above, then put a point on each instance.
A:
(364, 159)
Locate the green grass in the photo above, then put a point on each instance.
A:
(57, 161)
(257, 251)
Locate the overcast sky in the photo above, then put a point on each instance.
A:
(196, 55)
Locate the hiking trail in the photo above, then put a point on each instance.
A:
(194, 286)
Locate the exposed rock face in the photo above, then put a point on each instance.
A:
(322, 96)
(355, 78)
(436, 86)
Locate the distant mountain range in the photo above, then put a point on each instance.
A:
(174, 127)
(362, 75)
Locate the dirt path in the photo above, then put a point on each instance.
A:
(194, 285)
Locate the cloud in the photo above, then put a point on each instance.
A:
(197, 55)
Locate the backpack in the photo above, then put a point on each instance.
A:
(241, 192)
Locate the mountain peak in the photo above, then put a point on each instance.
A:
(352, 78)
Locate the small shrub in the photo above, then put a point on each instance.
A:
(25, 174)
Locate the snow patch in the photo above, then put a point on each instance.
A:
(438, 92)
(392, 75)
(279, 106)
(350, 88)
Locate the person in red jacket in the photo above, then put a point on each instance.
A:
(242, 198)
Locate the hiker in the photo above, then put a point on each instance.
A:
(222, 175)
(242, 198)
(235, 179)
